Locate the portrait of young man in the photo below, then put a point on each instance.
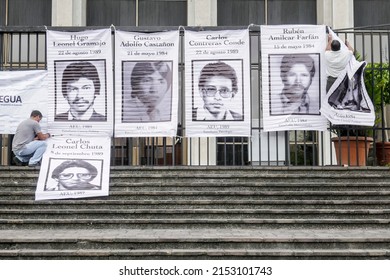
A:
(80, 91)
(147, 91)
(294, 84)
(217, 91)
(74, 174)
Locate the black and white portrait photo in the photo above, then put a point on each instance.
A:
(80, 90)
(147, 91)
(294, 84)
(217, 90)
(74, 175)
(349, 95)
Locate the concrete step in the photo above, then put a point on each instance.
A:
(195, 244)
(372, 186)
(225, 173)
(203, 212)
(171, 223)
(183, 213)
(224, 195)
(197, 254)
(93, 203)
(232, 172)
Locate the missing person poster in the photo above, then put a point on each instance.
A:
(217, 83)
(74, 167)
(347, 101)
(293, 77)
(80, 82)
(22, 92)
(146, 83)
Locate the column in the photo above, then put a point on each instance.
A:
(335, 13)
(69, 12)
(202, 12)
(202, 151)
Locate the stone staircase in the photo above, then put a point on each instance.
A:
(203, 213)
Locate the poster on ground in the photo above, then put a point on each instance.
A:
(74, 167)
(217, 83)
(146, 83)
(293, 77)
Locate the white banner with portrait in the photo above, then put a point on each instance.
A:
(74, 167)
(146, 83)
(293, 77)
(347, 101)
(217, 83)
(80, 82)
(21, 92)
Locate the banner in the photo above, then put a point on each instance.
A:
(74, 167)
(21, 92)
(146, 84)
(217, 83)
(80, 82)
(293, 77)
(347, 102)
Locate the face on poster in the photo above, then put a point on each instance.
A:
(350, 95)
(80, 90)
(147, 91)
(73, 175)
(295, 87)
(217, 90)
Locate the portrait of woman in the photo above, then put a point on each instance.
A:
(148, 94)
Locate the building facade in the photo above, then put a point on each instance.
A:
(154, 15)
(335, 13)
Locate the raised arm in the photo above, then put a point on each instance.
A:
(349, 46)
(328, 47)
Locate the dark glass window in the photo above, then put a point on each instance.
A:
(245, 12)
(2, 13)
(162, 12)
(240, 13)
(107, 12)
(373, 12)
(292, 12)
(124, 12)
(27, 12)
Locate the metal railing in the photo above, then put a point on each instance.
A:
(25, 48)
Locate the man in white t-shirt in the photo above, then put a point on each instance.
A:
(336, 59)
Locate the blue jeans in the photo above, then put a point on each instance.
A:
(32, 152)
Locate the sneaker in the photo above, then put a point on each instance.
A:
(34, 164)
(18, 162)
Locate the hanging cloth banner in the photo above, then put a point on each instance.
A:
(21, 92)
(74, 167)
(293, 77)
(347, 101)
(146, 84)
(217, 83)
(80, 82)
